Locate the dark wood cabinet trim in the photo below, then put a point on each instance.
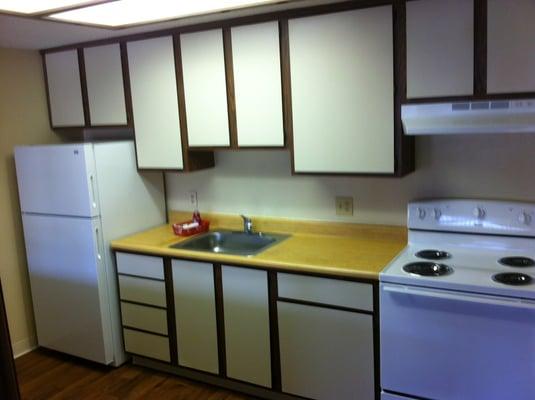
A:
(480, 47)
(181, 99)
(131, 328)
(171, 317)
(324, 305)
(47, 90)
(138, 303)
(376, 342)
(286, 87)
(273, 293)
(126, 87)
(483, 97)
(83, 86)
(229, 80)
(404, 157)
(148, 278)
(220, 320)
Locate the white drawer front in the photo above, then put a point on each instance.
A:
(136, 264)
(326, 291)
(146, 318)
(145, 344)
(142, 290)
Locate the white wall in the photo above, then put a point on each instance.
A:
(260, 182)
(23, 120)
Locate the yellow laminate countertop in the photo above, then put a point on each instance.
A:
(338, 249)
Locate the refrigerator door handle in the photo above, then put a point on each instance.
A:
(97, 238)
(93, 197)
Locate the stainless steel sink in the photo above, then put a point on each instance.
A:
(230, 242)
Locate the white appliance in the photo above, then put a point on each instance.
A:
(75, 199)
(457, 305)
(493, 116)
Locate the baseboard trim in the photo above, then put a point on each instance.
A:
(23, 346)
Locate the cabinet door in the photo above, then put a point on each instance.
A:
(205, 90)
(326, 354)
(105, 88)
(342, 83)
(440, 48)
(510, 46)
(257, 84)
(151, 65)
(246, 311)
(64, 89)
(195, 312)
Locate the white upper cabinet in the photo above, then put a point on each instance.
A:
(105, 88)
(64, 89)
(151, 65)
(205, 89)
(440, 48)
(342, 82)
(510, 46)
(257, 84)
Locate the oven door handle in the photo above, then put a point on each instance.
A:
(473, 298)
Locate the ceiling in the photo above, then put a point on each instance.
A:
(31, 33)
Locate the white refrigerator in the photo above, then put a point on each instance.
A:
(75, 199)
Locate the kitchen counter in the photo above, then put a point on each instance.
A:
(339, 249)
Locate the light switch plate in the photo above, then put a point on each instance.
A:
(344, 206)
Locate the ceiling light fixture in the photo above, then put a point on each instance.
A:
(132, 12)
(40, 6)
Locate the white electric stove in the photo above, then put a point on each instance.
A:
(458, 304)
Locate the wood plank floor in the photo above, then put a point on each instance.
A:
(46, 375)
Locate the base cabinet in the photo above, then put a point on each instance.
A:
(269, 334)
(326, 353)
(246, 311)
(195, 314)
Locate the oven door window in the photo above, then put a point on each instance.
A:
(445, 345)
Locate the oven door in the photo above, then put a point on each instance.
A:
(445, 345)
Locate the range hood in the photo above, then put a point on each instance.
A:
(493, 116)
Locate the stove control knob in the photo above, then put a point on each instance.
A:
(437, 213)
(524, 218)
(479, 213)
(421, 213)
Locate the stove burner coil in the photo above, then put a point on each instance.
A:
(512, 278)
(433, 254)
(517, 262)
(427, 269)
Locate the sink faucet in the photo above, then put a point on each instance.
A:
(247, 224)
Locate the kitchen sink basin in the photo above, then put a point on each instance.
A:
(230, 242)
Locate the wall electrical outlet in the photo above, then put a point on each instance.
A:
(344, 206)
(193, 202)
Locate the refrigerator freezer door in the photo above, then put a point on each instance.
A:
(57, 180)
(68, 284)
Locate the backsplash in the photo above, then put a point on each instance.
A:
(260, 182)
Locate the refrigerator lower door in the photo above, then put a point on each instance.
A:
(68, 285)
